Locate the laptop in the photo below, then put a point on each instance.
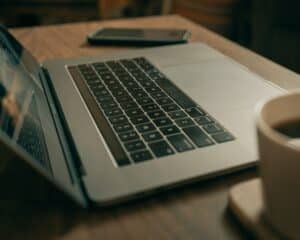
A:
(105, 129)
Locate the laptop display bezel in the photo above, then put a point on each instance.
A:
(69, 184)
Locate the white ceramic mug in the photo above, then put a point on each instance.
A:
(280, 163)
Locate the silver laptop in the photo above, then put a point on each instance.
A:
(110, 128)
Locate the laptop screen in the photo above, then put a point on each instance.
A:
(19, 88)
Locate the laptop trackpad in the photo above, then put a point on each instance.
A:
(221, 84)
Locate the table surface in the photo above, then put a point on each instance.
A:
(197, 211)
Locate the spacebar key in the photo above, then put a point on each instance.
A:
(180, 97)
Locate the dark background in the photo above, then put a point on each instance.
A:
(269, 27)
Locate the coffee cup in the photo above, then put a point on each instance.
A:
(278, 129)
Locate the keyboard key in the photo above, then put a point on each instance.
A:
(141, 156)
(134, 112)
(169, 130)
(161, 149)
(139, 119)
(107, 77)
(92, 78)
(164, 101)
(180, 97)
(222, 137)
(128, 105)
(180, 142)
(203, 120)
(144, 101)
(213, 128)
(138, 93)
(145, 127)
(194, 112)
(99, 65)
(101, 93)
(156, 114)
(109, 104)
(158, 95)
(124, 127)
(141, 77)
(120, 93)
(118, 119)
(184, 122)
(150, 107)
(160, 122)
(97, 87)
(135, 145)
(111, 81)
(128, 136)
(137, 73)
(125, 98)
(152, 136)
(101, 99)
(152, 89)
(198, 136)
(177, 114)
(113, 112)
(125, 77)
(131, 84)
(114, 88)
(148, 84)
(170, 107)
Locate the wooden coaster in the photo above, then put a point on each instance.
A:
(246, 202)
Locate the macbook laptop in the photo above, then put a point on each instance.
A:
(110, 128)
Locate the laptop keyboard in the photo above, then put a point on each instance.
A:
(31, 136)
(143, 115)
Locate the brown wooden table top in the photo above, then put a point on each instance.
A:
(197, 211)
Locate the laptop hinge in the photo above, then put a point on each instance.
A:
(61, 125)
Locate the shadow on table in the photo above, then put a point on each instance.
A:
(177, 213)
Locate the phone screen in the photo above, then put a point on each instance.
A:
(147, 34)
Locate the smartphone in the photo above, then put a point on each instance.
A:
(138, 37)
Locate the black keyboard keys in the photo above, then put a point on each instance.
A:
(164, 101)
(213, 128)
(203, 120)
(138, 100)
(124, 127)
(141, 156)
(180, 142)
(170, 107)
(161, 148)
(194, 112)
(152, 136)
(172, 129)
(113, 112)
(128, 105)
(135, 146)
(144, 101)
(156, 114)
(160, 122)
(222, 137)
(150, 107)
(139, 119)
(128, 136)
(145, 127)
(184, 122)
(118, 119)
(198, 136)
(158, 95)
(177, 114)
(133, 112)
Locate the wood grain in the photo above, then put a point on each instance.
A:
(197, 211)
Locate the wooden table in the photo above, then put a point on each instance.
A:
(197, 211)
